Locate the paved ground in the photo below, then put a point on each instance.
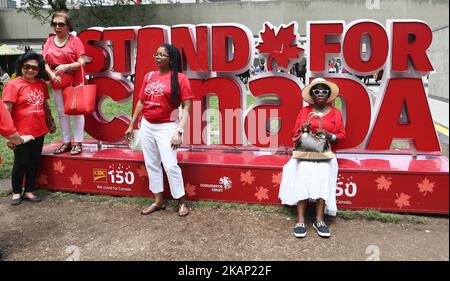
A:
(60, 229)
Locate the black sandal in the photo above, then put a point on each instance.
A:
(67, 146)
(76, 149)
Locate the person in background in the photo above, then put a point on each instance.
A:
(64, 56)
(25, 98)
(4, 78)
(304, 180)
(161, 94)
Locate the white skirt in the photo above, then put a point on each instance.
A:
(303, 180)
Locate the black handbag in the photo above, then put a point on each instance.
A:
(311, 146)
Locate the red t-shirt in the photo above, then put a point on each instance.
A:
(6, 124)
(331, 122)
(69, 53)
(156, 98)
(27, 112)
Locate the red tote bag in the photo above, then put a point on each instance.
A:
(79, 100)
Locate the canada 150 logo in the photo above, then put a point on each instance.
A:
(119, 175)
(345, 187)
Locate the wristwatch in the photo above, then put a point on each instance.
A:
(180, 130)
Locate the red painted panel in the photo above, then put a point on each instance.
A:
(397, 183)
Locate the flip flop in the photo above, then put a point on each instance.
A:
(155, 208)
(184, 207)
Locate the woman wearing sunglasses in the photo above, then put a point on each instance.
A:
(26, 99)
(161, 94)
(314, 180)
(64, 56)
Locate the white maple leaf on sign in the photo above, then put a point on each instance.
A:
(155, 89)
(226, 181)
(35, 97)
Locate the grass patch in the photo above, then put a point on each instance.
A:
(290, 211)
(370, 215)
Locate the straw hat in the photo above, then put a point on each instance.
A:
(333, 87)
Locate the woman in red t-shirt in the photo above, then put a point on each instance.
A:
(64, 56)
(161, 133)
(25, 98)
(314, 180)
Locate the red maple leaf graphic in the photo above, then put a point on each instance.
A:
(58, 167)
(280, 46)
(383, 183)
(402, 200)
(76, 180)
(247, 178)
(425, 186)
(142, 171)
(262, 193)
(276, 179)
(42, 180)
(190, 189)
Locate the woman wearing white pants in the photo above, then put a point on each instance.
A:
(64, 56)
(161, 133)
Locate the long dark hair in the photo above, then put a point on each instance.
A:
(31, 56)
(175, 66)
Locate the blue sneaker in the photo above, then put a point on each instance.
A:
(300, 230)
(322, 229)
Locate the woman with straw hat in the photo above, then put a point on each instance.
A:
(305, 180)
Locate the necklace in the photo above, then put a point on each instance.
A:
(61, 43)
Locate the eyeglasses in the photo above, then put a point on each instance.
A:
(58, 24)
(317, 92)
(161, 55)
(29, 66)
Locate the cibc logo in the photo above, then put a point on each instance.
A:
(100, 175)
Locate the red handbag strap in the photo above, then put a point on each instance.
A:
(74, 100)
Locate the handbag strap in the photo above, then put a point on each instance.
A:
(314, 114)
(74, 100)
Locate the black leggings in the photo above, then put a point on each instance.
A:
(26, 164)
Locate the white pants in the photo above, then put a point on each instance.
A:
(155, 140)
(64, 119)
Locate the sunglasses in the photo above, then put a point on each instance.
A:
(161, 55)
(58, 24)
(317, 92)
(29, 66)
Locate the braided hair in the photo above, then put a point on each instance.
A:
(175, 66)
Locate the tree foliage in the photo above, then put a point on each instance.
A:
(92, 12)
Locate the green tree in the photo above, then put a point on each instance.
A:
(92, 12)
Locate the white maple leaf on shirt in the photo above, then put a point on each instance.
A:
(35, 97)
(155, 89)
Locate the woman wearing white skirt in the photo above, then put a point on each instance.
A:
(314, 180)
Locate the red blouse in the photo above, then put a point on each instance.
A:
(331, 122)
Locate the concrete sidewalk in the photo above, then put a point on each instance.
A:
(439, 111)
